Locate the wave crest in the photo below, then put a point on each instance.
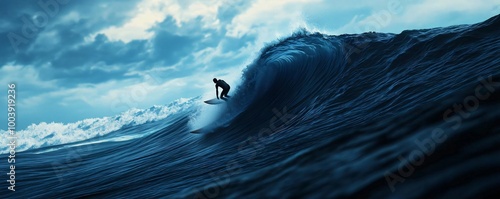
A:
(49, 134)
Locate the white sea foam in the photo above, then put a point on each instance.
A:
(48, 134)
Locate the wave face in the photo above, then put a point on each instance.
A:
(373, 115)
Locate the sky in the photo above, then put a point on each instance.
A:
(72, 60)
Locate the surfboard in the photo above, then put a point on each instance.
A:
(214, 101)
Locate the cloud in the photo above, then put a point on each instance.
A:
(26, 21)
(150, 12)
(101, 50)
(94, 62)
(170, 48)
(28, 77)
(267, 18)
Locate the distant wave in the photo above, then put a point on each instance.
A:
(48, 134)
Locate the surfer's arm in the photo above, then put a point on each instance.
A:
(216, 92)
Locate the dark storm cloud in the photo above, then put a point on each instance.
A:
(10, 13)
(56, 40)
(193, 29)
(96, 62)
(172, 44)
(170, 48)
(22, 22)
(67, 54)
(102, 50)
(71, 78)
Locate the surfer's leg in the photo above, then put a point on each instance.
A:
(224, 93)
(228, 88)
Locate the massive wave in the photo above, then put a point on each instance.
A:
(378, 115)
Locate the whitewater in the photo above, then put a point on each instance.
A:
(372, 115)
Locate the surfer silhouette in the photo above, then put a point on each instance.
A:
(225, 88)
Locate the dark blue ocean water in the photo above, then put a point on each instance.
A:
(373, 115)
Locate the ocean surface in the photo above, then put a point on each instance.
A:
(373, 115)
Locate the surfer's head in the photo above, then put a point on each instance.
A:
(215, 80)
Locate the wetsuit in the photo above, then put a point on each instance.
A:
(225, 88)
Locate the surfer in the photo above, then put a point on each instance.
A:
(225, 88)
